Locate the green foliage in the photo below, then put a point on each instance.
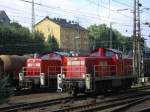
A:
(5, 91)
(16, 39)
(52, 43)
(38, 42)
(99, 36)
(128, 44)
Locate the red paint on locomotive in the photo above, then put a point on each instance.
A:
(74, 67)
(103, 67)
(45, 68)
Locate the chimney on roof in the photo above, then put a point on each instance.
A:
(72, 22)
(63, 21)
(55, 19)
(69, 22)
(47, 17)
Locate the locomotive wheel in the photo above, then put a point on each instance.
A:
(73, 93)
(116, 89)
(29, 84)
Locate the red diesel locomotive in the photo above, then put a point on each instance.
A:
(102, 70)
(41, 72)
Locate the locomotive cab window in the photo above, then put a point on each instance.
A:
(109, 53)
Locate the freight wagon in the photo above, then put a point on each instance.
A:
(11, 65)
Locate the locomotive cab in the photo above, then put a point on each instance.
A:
(41, 72)
(73, 75)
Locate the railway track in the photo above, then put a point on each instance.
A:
(113, 105)
(27, 106)
(129, 104)
(33, 105)
(145, 110)
(89, 101)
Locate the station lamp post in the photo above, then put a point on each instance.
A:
(76, 45)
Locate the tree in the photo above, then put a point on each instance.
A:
(128, 44)
(52, 43)
(16, 39)
(39, 43)
(99, 36)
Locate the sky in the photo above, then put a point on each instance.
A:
(86, 12)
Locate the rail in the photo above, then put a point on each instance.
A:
(146, 109)
(61, 102)
(112, 105)
(27, 106)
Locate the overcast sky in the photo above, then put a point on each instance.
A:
(87, 12)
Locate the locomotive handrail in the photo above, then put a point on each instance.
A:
(105, 69)
(31, 70)
(73, 69)
(54, 70)
(128, 69)
(110, 70)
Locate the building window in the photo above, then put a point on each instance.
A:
(109, 53)
(49, 29)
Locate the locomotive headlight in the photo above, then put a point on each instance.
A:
(63, 76)
(29, 65)
(37, 64)
(83, 75)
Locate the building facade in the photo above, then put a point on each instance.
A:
(4, 19)
(69, 35)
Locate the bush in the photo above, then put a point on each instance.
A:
(5, 90)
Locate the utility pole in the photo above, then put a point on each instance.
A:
(110, 35)
(137, 42)
(33, 17)
(110, 31)
(77, 45)
(32, 13)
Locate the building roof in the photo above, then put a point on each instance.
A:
(2, 12)
(64, 23)
(147, 49)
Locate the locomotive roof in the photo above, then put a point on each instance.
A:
(58, 53)
(113, 50)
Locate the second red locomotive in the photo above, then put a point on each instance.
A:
(102, 70)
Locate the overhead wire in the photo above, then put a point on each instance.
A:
(91, 16)
(70, 12)
(108, 8)
(80, 14)
(122, 3)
